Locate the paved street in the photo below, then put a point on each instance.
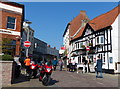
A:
(71, 79)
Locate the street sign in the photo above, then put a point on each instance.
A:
(62, 48)
(88, 48)
(27, 43)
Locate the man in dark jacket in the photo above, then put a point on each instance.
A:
(99, 67)
(54, 63)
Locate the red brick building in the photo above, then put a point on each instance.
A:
(12, 15)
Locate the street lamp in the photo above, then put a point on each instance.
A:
(26, 26)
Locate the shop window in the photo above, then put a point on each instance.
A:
(79, 60)
(81, 44)
(11, 22)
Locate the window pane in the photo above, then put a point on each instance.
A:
(11, 26)
(97, 39)
(102, 39)
(111, 59)
(76, 45)
(11, 19)
(81, 43)
(11, 23)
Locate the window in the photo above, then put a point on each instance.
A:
(111, 59)
(102, 39)
(78, 45)
(29, 32)
(11, 22)
(81, 43)
(97, 39)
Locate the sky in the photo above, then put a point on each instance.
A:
(49, 19)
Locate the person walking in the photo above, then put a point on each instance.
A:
(99, 67)
(27, 62)
(67, 63)
(70, 64)
(73, 64)
(54, 63)
(84, 65)
(61, 64)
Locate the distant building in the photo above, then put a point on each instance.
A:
(12, 16)
(101, 36)
(71, 31)
(40, 49)
(51, 53)
(44, 52)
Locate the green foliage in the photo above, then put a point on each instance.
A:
(90, 44)
(6, 46)
(65, 53)
(6, 57)
(6, 40)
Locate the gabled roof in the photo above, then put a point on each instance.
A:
(76, 23)
(101, 21)
(105, 19)
(79, 33)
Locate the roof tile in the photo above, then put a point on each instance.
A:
(101, 21)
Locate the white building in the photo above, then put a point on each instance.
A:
(66, 40)
(101, 35)
(72, 30)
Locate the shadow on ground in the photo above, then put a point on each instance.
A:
(21, 78)
(52, 82)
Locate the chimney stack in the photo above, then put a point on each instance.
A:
(54, 47)
(48, 45)
(83, 12)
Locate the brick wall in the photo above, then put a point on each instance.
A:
(12, 14)
(3, 25)
(6, 70)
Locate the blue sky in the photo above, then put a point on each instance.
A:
(49, 19)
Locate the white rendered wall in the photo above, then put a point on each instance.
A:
(115, 38)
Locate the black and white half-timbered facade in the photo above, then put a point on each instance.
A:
(101, 36)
